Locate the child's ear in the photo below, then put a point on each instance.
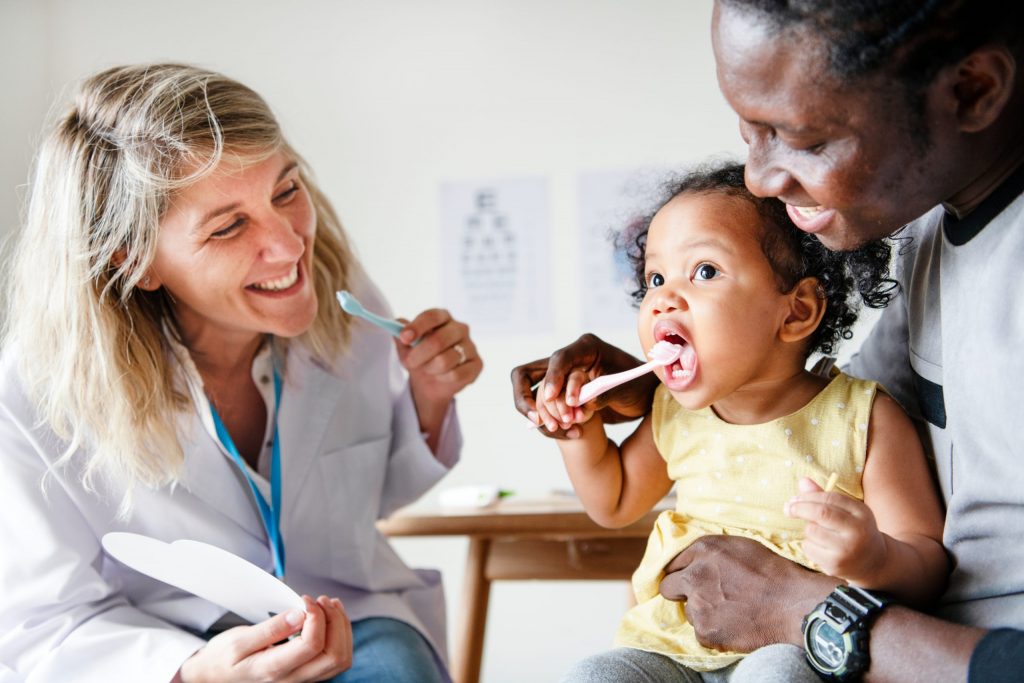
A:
(806, 308)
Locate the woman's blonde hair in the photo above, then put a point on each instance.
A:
(94, 354)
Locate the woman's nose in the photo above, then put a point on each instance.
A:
(281, 241)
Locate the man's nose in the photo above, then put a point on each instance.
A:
(765, 175)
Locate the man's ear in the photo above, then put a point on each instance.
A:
(980, 85)
(806, 307)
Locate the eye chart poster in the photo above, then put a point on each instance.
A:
(495, 236)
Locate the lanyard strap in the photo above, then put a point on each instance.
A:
(269, 513)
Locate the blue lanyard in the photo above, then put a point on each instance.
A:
(270, 514)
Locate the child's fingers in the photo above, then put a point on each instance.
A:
(545, 416)
(574, 384)
(829, 510)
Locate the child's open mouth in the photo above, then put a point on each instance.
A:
(682, 370)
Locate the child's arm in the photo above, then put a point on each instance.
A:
(891, 541)
(617, 485)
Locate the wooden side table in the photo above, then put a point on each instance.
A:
(540, 538)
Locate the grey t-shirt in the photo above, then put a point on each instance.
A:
(949, 348)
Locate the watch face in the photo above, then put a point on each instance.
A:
(826, 645)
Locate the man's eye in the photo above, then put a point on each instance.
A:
(705, 271)
(655, 280)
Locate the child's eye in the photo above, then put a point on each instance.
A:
(655, 280)
(704, 271)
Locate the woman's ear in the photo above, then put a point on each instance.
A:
(150, 282)
(806, 308)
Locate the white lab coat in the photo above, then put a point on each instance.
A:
(351, 453)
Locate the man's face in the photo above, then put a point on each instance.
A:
(845, 158)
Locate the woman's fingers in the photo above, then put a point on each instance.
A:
(336, 655)
(258, 637)
(278, 663)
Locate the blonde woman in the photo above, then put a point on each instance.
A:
(175, 364)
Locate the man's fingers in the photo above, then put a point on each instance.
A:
(680, 561)
(523, 379)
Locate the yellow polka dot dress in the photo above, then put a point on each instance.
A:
(735, 479)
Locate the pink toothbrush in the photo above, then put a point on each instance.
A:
(661, 353)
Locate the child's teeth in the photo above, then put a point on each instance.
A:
(681, 374)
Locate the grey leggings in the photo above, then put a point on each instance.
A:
(771, 664)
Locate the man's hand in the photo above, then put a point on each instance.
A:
(740, 595)
(566, 371)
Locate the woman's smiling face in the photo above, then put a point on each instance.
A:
(851, 161)
(235, 252)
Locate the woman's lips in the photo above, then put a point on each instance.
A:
(290, 284)
(810, 218)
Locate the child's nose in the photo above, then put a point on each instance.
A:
(668, 299)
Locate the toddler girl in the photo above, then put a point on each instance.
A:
(741, 428)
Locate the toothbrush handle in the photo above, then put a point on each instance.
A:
(599, 385)
(392, 326)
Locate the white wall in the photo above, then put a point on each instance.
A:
(389, 99)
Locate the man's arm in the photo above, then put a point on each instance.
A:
(741, 596)
(909, 646)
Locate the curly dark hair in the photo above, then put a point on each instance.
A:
(792, 253)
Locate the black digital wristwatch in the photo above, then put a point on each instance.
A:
(836, 633)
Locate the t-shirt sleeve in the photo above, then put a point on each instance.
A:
(998, 657)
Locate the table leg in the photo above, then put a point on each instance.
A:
(476, 594)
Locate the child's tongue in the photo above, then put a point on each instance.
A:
(688, 358)
(685, 365)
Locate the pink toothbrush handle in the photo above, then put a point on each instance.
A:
(599, 385)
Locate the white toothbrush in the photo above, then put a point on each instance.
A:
(351, 305)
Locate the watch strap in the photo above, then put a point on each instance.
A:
(850, 610)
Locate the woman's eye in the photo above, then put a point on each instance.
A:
(655, 280)
(227, 231)
(287, 193)
(705, 271)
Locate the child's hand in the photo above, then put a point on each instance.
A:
(841, 534)
(553, 411)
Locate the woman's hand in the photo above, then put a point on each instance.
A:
(443, 361)
(565, 373)
(252, 653)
